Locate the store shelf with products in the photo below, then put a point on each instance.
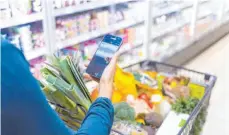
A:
(98, 33)
(176, 41)
(172, 39)
(86, 6)
(20, 20)
(162, 29)
(81, 27)
(187, 48)
(18, 13)
(22, 24)
(171, 7)
(129, 47)
(29, 38)
(35, 53)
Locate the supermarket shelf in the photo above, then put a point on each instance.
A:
(172, 9)
(161, 33)
(88, 6)
(35, 53)
(205, 14)
(175, 8)
(167, 31)
(98, 33)
(21, 20)
(127, 48)
(123, 65)
(198, 44)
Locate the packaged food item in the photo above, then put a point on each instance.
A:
(5, 14)
(172, 123)
(26, 37)
(176, 87)
(163, 108)
(141, 106)
(125, 82)
(145, 79)
(22, 7)
(127, 128)
(36, 6)
(196, 90)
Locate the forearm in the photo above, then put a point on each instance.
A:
(99, 118)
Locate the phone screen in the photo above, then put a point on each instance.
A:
(107, 48)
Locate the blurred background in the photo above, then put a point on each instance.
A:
(189, 33)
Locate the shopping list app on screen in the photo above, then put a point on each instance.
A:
(107, 48)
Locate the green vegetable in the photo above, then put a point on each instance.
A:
(185, 105)
(79, 79)
(64, 87)
(199, 122)
(123, 111)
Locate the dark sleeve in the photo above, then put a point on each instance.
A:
(99, 118)
(24, 109)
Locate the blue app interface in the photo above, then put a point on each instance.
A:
(102, 58)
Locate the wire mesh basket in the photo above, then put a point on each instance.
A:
(206, 80)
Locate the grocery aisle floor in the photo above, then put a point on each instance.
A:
(215, 60)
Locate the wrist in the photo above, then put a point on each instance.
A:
(106, 90)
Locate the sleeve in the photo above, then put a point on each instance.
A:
(24, 109)
(99, 118)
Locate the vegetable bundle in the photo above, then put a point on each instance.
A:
(64, 87)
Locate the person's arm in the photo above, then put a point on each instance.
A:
(99, 118)
(24, 109)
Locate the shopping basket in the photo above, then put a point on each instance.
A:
(206, 80)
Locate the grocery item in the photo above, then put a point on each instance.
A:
(64, 88)
(196, 90)
(145, 97)
(163, 108)
(123, 111)
(153, 119)
(145, 79)
(140, 106)
(26, 37)
(172, 123)
(175, 87)
(125, 83)
(127, 128)
(185, 105)
(150, 130)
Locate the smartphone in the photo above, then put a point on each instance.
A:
(106, 49)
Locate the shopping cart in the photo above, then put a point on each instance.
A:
(204, 79)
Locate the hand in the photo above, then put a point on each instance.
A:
(107, 78)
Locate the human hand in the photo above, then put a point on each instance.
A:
(107, 78)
